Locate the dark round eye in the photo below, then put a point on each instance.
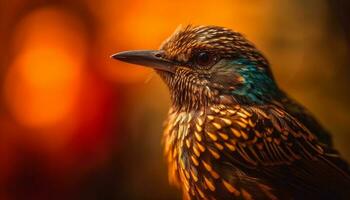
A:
(204, 59)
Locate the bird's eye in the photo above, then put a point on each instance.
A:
(203, 59)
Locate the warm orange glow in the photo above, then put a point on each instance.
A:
(41, 86)
(43, 82)
(76, 124)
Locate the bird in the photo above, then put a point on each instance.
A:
(231, 131)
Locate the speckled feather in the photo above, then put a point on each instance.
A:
(180, 44)
(232, 151)
(232, 133)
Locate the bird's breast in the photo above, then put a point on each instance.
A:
(180, 145)
(194, 146)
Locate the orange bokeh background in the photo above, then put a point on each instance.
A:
(75, 124)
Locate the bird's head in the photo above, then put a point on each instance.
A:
(209, 64)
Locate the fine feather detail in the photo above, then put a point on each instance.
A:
(270, 145)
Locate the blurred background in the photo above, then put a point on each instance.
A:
(75, 124)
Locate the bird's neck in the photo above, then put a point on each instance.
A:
(258, 86)
(187, 92)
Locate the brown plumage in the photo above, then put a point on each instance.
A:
(231, 132)
(249, 153)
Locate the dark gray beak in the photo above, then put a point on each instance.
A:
(149, 58)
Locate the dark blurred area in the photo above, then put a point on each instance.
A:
(75, 124)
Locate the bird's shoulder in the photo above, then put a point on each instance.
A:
(245, 150)
(260, 135)
(268, 143)
(305, 116)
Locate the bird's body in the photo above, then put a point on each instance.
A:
(231, 132)
(249, 152)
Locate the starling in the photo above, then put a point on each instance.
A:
(231, 132)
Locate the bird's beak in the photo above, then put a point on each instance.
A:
(149, 58)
